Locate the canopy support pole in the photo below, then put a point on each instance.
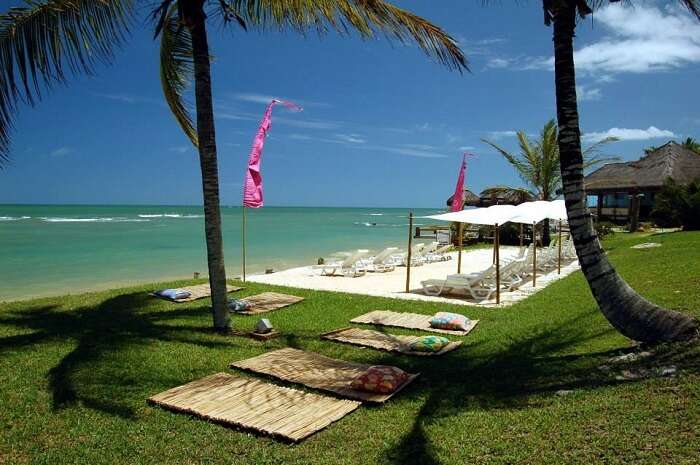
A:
(493, 259)
(498, 264)
(521, 235)
(408, 255)
(460, 232)
(534, 254)
(559, 257)
(243, 240)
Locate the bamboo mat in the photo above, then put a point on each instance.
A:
(267, 302)
(383, 341)
(407, 320)
(199, 291)
(253, 404)
(315, 371)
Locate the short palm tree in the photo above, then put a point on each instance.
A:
(46, 38)
(537, 163)
(627, 311)
(692, 144)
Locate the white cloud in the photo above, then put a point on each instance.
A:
(466, 147)
(265, 99)
(641, 39)
(181, 149)
(651, 132)
(501, 134)
(586, 93)
(61, 151)
(499, 63)
(351, 138)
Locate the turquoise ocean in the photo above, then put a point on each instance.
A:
(59, 249)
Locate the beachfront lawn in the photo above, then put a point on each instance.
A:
(76, 372)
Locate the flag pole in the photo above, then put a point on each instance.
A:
(408, 254)
(459, 242)
(497, 240)
(559, 255)
(244, 228)
(534, 254)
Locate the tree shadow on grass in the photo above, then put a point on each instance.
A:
(520, 375)
(98, 331)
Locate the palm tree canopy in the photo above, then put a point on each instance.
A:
(537, 161)
(42, 40)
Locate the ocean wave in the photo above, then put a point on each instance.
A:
(169, 215)
(92, 220)
(14, 218)
(376, 214)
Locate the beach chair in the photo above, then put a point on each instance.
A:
(382, 262)
(479, 285)
(417, 256)
(351, 266)
(439, 255)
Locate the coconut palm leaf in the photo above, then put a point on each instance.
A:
(176, 69)
(42, 40)
(367, 17)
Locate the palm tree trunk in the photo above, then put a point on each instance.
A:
(627, 311)
(194, 17)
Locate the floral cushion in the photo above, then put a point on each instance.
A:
(429, 344)
(451, 321)
(236, 305)
(380, 379)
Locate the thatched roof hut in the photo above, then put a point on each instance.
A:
(503, 195)
(649, 173)
(470, 199)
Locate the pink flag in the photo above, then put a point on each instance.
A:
(458, 197)
(253, 189)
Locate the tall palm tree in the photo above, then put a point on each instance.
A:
(42, 40)
(537, 163)
(627, 311)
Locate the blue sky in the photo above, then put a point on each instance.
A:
(383, 125)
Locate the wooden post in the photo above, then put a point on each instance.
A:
(408, 255)
(534, 255)
(521, 235)
(460, 231)
(497, 240)
(493, 258)
(243, 241)
(559, 257)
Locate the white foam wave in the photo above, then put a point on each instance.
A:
(169, 215)
(92, 220)
(14, 218)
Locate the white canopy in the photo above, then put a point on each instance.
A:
(528, 213)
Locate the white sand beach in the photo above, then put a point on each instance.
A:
(392, 284)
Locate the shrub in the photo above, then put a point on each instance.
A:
(604, 228)
(678, 205)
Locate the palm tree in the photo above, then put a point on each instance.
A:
(537, 163)
(39, 42)
(627, 311)
(692, 144)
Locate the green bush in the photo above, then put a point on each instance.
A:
(678, 205)
(604, 229)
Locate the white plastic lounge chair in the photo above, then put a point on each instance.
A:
(382, 262)
(439, 255)
(479, 285)
(350, 266)
(417, 256)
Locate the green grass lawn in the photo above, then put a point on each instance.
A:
(76, 372)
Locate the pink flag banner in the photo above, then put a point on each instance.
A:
(458, 198)
(253, 186)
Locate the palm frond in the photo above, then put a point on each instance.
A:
(177, 69)
(367, 17)
(42, 40)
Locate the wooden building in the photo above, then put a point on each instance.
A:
(624, 192)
